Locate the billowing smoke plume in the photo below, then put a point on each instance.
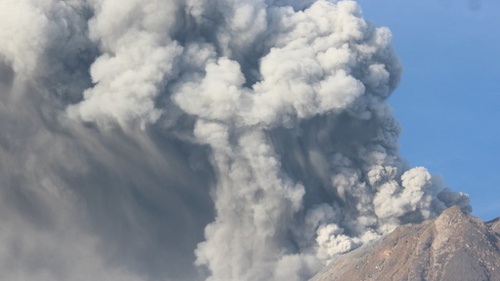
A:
(192, 140)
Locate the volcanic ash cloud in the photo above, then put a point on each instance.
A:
(193, 140)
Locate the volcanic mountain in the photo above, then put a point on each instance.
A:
(455, 246)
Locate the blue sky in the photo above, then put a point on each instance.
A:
(448, 99)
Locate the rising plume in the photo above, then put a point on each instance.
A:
(198, 140)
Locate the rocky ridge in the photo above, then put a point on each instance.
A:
(453, 247)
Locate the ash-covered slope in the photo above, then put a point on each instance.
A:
(455, 246)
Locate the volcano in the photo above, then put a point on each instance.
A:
(454, 246)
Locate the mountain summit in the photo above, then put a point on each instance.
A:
(455, 246)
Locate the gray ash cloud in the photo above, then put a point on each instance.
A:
(192, 140)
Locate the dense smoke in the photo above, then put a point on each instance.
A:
(192, 140)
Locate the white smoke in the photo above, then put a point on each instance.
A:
(131, 127)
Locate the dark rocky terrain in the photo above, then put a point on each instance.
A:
(453, 247)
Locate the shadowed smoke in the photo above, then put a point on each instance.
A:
(198, 140)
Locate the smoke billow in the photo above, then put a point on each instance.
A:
(193, 140)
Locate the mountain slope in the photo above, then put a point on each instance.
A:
(455, 246)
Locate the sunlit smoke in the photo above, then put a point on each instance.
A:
(198, 140)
